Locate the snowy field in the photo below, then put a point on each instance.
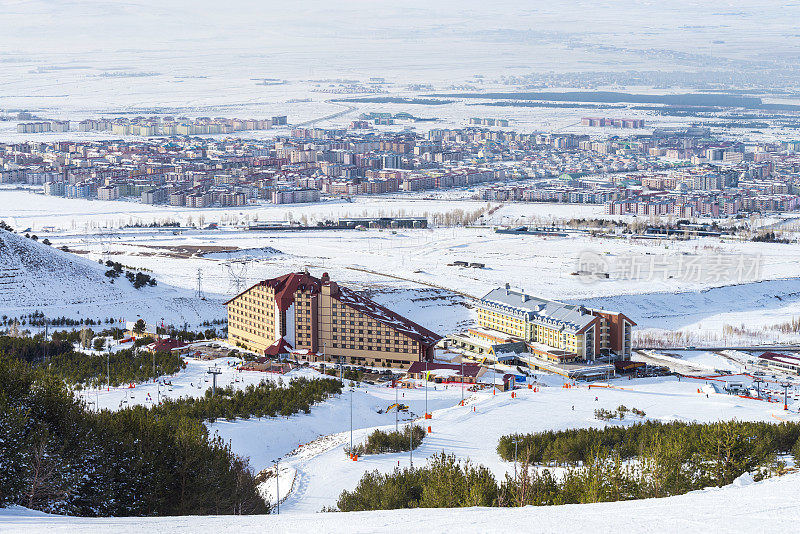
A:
(772, 505)
(315, 468)
(264, 439)
(72, 60)
(192, 382)
(23, 209)
(37, 277)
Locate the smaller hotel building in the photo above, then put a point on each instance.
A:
(553, 330)
(326, 322)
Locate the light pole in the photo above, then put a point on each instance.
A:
(396, 408)
(462, 380)
(515, 441)
(277, 486)
(351, 421)
(426, 388)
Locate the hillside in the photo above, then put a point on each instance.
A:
(35, 277)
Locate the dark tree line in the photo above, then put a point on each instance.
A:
(577, 446)
(138, 278)
(57, 457)
(444, 483)
(769, 237)
(125, 366)
(37, 318)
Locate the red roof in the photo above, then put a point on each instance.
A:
(386, 316)
(470, 369)
(782, 358)
(279, 347)
(167, 344)
(286, 285)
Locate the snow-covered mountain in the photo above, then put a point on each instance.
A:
(34, 276)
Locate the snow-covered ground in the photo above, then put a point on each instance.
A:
(310, 447)
(22, 209)
(315, 469)
(154, 57)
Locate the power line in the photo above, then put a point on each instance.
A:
(237, 273)
(200, 285)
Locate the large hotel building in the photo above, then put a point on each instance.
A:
(325, 321)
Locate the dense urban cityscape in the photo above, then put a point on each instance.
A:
(681, 172)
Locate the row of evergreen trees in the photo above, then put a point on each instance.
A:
(33, 350)
(57, 457)
(758, 441)
(38, 319)
(380, 442)
(80, 369)
(266, 399)
(444, 482)
(611, 464)
(125, 367)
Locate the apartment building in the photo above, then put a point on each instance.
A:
(295, 196)
(108, 192)
(325, 322)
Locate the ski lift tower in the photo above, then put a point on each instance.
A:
(785, 386)
(214, 371)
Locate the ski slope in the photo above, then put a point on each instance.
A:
(472, 431)
(315, 468)
(191, 382)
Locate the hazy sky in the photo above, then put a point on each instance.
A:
(88, 55)
(741, 29)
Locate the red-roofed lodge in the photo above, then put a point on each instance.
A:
(297, 311)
